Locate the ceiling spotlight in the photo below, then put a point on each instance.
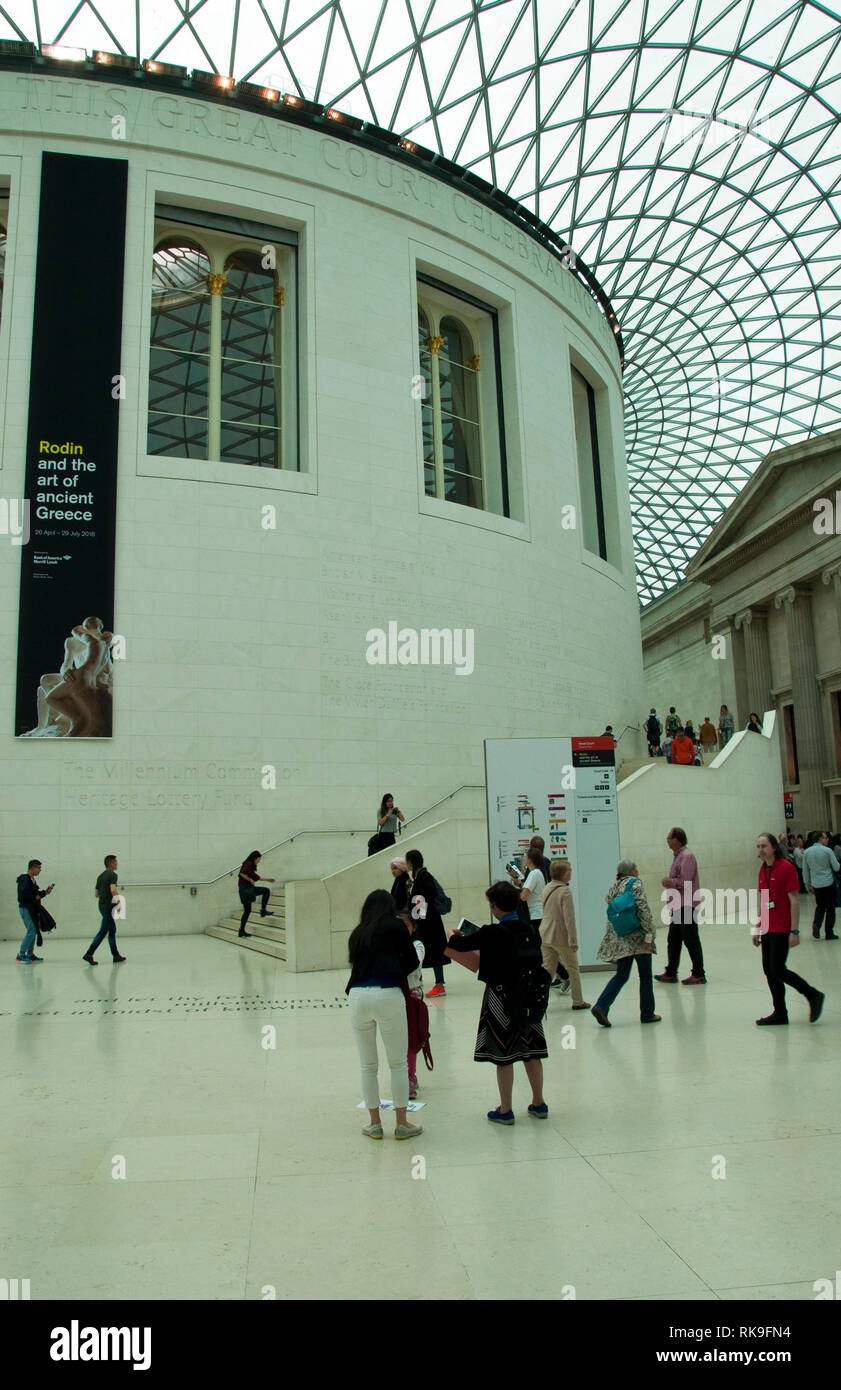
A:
(307, 108)
(210, 81)
(114, 60)
(60, 54)
(343, 118)
(15, 48)
(164, 69)
(385, 137)
(256, 92)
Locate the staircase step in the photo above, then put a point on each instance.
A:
(258, 928)
(253, 943)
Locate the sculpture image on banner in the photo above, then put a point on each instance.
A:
(76, 701)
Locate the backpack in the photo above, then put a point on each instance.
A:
(528, 997)
(622, 912)
(652, 725)
(417, 1017)
(441, 902)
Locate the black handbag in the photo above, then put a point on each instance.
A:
(377, 842)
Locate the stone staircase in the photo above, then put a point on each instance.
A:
(268, 934)
(628, 766)
(631, 765)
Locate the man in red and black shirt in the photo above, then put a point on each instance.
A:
(779, 896)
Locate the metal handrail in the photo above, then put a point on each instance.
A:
(208, 882)
(625, 730)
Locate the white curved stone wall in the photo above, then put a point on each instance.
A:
(247, 647)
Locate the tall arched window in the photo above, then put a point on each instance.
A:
(461, 406)
(222, 378)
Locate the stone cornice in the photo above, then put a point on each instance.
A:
(783, 524)
(694, 610)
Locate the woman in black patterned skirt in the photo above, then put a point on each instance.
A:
(504, 1035)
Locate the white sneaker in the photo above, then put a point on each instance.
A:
(565, 986)
(407, 1131)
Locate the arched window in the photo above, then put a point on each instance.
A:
(463, 450)
(179, 363)
(220, 385)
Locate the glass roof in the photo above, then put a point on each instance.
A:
(688, 150)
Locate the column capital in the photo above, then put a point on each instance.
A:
(216, 283)
(786, 597)
(435, 343)
(832, 573)
(745, 616)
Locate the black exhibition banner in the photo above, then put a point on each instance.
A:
(65, 658)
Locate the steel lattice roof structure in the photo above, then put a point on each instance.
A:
(688, 150)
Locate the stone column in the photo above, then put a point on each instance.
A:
(754, 623)
(812, 755)
(832, 575)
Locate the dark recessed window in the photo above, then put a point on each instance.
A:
(460, 400)
(223, 362)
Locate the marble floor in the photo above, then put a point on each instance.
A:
(161, 1142)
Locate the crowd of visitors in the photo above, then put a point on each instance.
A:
(532, 937)
(530, 945)
(682, 744)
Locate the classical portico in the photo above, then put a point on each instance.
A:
(756, 624)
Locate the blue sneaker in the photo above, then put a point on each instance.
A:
(35, 958)
(501, 1117)
(24, 960)
(540, 1112)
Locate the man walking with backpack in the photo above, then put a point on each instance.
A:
(653, 731)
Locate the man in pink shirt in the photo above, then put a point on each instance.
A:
(683, 876)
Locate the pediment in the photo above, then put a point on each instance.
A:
(779, 497)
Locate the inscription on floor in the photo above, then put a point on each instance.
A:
(193, 1004)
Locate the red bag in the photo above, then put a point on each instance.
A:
(417, 1015)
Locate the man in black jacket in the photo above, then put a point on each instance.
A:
(29, 905)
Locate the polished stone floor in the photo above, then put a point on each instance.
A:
(156, 1145)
